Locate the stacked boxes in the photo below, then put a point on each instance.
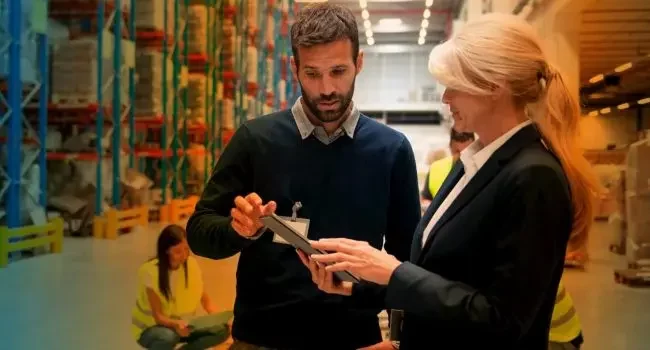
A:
(148, 91)
(638, 203)
(74, 74)
(150, 14)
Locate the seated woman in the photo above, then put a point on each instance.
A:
(170, 289)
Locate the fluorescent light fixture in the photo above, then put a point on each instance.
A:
(425, 23)
(643, 101)
(623, 106)
(369, 33)
(593, 114)
(367, 24)
(363, 4)
(389, 22)
(623, 67)
(421, 40)
(428, 3)
(371, 41)
(423, 32)
(426, 13)
(365, 14)
(605, 110)
(596, 78)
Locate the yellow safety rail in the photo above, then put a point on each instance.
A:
(49, 234)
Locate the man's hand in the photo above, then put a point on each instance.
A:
(247, 212)
(325, 279)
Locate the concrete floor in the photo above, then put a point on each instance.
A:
(82, 298)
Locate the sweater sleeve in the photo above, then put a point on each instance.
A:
(404, 210)
(209, 232)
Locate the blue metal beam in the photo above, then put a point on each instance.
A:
(99, 195)
(14, 141)
(117, 103)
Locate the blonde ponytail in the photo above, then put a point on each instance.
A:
(558, 121)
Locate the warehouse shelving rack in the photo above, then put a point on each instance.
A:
(113, 21)
(15, 96)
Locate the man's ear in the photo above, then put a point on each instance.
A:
(359, 61)
(294, 68)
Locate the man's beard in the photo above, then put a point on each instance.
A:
(332, 115)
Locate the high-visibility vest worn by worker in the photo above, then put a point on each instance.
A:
(184, 300)
(565, 325)
(438, 173)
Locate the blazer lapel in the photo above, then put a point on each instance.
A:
(455, 174)
(487, 172)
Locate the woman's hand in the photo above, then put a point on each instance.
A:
(356, 257)
(181, 328)
(324, 279)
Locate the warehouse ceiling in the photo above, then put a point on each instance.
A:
(615, 52)
(399, 22)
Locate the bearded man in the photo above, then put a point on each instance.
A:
(328, 166)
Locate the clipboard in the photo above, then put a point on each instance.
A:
(279, 227)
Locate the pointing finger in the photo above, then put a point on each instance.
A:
(254, 199)
(243, 205)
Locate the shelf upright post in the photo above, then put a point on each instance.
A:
(117, 103)
(277, 60)
(43, 68)
(15, 137)
(163, 132)
(99, 195)
(184, 132)
(209, 99)
(263, 56)
(217, 76)
(175, 108)
(132, 130)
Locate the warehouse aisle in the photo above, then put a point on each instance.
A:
(81, 299)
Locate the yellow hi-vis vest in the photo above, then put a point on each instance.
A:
(184, 300)
(438, 173)
(565, 324)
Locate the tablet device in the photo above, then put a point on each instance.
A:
(289, 234)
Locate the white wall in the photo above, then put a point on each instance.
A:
(395, 78)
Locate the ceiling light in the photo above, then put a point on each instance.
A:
(426, 13)
(423, 32)
(643, 101)
(596, 78)
(365, 14)
(367, 24)
(371, 41)
(605, 110)
(428, 3)
(369, 33)
(623, 67)
(593, 114)
(623, 106)
(425, 23)
(363, 4)
(421, 41)
(389, 22)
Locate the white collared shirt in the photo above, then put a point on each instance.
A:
(473, 158)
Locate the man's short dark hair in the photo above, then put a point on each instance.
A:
(324, 23)
(457, 136)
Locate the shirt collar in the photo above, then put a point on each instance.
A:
(476, 154)
(306, 127)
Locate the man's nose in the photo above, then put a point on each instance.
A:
(327, 86)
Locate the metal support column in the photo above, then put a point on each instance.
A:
(15, 139)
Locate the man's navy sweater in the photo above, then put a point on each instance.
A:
(363, 188)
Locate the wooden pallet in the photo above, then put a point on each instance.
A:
(633, 277)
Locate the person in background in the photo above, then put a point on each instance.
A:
(566, 330)
(170, 289)
(488, 255)
(440, 168)
(325, 162)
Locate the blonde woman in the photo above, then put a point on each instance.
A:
(488, 254)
